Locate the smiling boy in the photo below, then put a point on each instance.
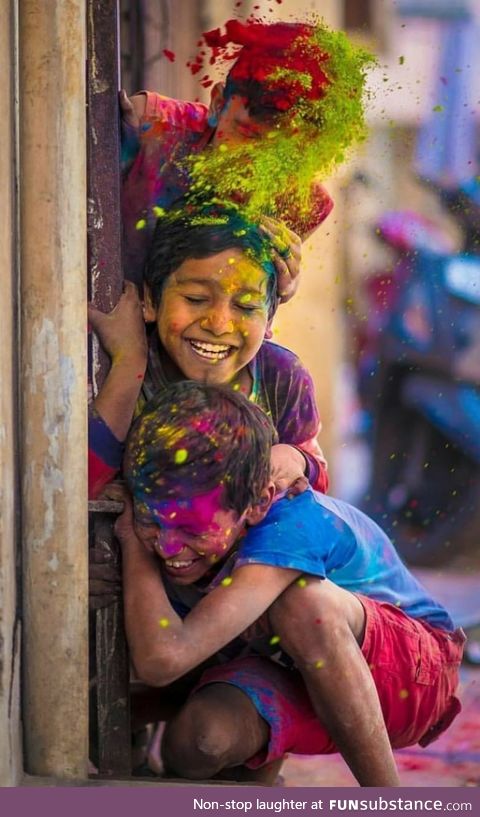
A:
(211, 291)
(208, 554)
(206, 338)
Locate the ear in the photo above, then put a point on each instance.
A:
(217, 100)
(149, 310)
(257, 512)
(268, 330)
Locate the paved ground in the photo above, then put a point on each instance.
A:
(453, 760)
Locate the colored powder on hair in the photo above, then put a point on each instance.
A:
(205, 211)
(319, 84)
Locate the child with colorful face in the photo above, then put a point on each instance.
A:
(353, 654)
(291, 105)
(210, 291)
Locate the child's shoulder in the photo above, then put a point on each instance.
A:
(275, 356)
(279, 365)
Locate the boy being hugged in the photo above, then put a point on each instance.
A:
(211, 293)
(368, 661)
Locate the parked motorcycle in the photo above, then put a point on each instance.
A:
(425, 390)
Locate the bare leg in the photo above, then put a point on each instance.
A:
(320, 626)
(217, 729)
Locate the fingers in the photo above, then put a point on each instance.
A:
(116, 491)
(95, 317)
(287, 247)
(129, 295)
(130, 290)
(125, 523)
(104, 579)
(104, 573)
(124, 100)
(132, 109)
(277, 227)
(298, 487)
(282, 237)
(288, 277)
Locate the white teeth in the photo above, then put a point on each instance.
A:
(210, 351)
(174, 563)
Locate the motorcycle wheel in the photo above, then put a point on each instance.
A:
(425, 493)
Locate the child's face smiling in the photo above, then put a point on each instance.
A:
(213, 315)
(189, 535)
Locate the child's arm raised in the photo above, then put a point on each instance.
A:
(122, 335)
(163, 646)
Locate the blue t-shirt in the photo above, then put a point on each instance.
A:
(331, 539)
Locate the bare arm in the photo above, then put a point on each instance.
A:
(163, 647)
(122, 334)
(133, 108)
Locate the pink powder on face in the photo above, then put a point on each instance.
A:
(197, 512)
(200, 524)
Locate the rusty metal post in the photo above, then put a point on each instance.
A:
(110, 710)
(10, 757)
(104, 223)
(53, 385)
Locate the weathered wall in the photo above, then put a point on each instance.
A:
(53, 385)
(10, 760)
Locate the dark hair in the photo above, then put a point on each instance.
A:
(199, 232)
(259, 101)
(265, 54)
(192, 437)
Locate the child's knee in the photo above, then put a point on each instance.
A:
(196, 744)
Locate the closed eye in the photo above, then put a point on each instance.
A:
(249, 308)
(192, 533)
(196, 299)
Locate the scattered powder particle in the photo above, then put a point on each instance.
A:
(275, 639)
(227, 581)
(319, 664)
(181, 456)
(302, 582)
(319, 92)
(141, 224)
(164, 622)
(170, 55)
(403, 694)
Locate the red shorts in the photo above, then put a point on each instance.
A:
(414, 667)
